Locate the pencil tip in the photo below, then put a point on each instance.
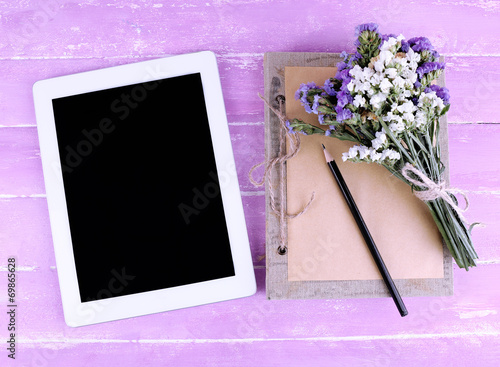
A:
(328, 157)
(323, 146)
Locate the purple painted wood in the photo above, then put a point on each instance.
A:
(46, 38)
(472, 80)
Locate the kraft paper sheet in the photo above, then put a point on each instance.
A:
(325, 243)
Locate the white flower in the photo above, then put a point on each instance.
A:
(391, 72)
(356, 72)
(374, 155)
(412, 78)
(412, 56)
(385, 85)
(352, 153)
(370, 91)
(379, 141)
(390, 154)
(350, 86)
(408, 116)
(365, 87)
(406, 107)
(388, 116)
(367, 73)
(397, 127)
(377, 99)
(430, 99)
(386, 56)
(401, 61)
(439, 104)
(379, 65)
(398, 82)
(390, 43)
(420, 119)
(359, 101)
(397, 119)
(376, 78)
(381, 135)
(363, 152)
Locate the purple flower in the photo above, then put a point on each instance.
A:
(341, 66)
(343, 98)
(302, 93)
(405, 46)
(321, 119)
(385, 37)
(419, 44)
(304, 88)
(343, 76)
(344, 55)
(417, 84)
(372, 27)
(427, 67)
(327, 133)
(357, 56)
(343, 114)
(328, 87)
(290, 129)
(315, 104)
(441, 92)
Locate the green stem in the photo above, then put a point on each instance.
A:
(396, 142)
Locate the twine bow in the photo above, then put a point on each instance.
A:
(432, 190)
(282, 157)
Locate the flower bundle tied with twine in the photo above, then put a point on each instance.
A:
(384, 100)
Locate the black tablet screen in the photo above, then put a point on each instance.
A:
(143, 198)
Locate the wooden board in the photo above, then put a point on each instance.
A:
(76, 36)
(277, 284)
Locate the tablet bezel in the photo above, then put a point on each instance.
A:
(77, 313)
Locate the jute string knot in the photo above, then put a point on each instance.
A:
(432, 190)
(283, 156)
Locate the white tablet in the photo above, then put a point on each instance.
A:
(142, 192)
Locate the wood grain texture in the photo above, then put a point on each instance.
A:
(46, 38)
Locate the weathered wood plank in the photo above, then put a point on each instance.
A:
(472, 81)
(25, 231)
(241, 82)
(89, 28)
(474, 157)
(21, 170)
(475, 308)
(464, 349)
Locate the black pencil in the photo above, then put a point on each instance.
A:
(366, 234)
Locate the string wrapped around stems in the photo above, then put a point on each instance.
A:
(282, 157)
(432, 190)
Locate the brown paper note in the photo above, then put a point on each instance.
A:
(325, 242)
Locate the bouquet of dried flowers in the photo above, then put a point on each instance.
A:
(384, 100)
